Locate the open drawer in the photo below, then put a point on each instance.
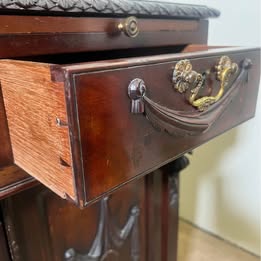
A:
(85, 129)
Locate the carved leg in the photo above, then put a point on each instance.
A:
(172, 171)
(162, 211)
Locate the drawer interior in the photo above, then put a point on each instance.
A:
(83, 57)
(71, 127)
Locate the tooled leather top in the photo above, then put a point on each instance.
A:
(139, 8)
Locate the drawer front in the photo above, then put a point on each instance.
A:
(39, 35)
(117, 145)
(86, 129)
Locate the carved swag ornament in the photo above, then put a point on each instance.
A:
(110, 238)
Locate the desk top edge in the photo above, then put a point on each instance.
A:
(83, 8)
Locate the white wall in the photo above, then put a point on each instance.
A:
(220, 191)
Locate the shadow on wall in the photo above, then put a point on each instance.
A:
(205, 190)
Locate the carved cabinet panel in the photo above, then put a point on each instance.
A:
(136, 223)
(44, 227)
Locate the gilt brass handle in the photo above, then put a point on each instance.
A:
(180, 123)
(129, 27)
(185, 79)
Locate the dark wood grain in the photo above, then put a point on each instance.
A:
(153, 216)
(42, 24)
(44, 227)
(171, 203)
(36, 35)
(110, 146)
(14, 180)
(4, 252)
(125, 146)
(97, 146)
(188, 52)
(40, 226)
(183, 123)
(162, 205)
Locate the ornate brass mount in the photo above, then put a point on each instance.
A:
(180, 123)
(129, 27)
(184, 78)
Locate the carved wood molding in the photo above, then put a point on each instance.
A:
(109, 237)
(113, 7)
(174, 168)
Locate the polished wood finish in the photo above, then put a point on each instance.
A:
(71, 128)
(163, 197)
(125, 146)
(4, 253)
(47, 24)
(109, 146)
(138, 222)
(33, 102)
(40, 35)
(13, 180)
(171, 238)
(44, 227)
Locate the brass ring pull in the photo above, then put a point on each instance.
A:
(129, 27)
(185, 78)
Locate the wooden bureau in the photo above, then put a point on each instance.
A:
(99, 102)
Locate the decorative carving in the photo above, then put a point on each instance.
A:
(173, 190)
(185, 78)
(109, 238)
(174, 169)
(181, 123)
(114, 7)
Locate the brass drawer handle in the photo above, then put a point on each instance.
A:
(129, 27)
(185, 79)
(186, 122)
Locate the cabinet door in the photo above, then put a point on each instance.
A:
(138, 222)
(44, 227)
